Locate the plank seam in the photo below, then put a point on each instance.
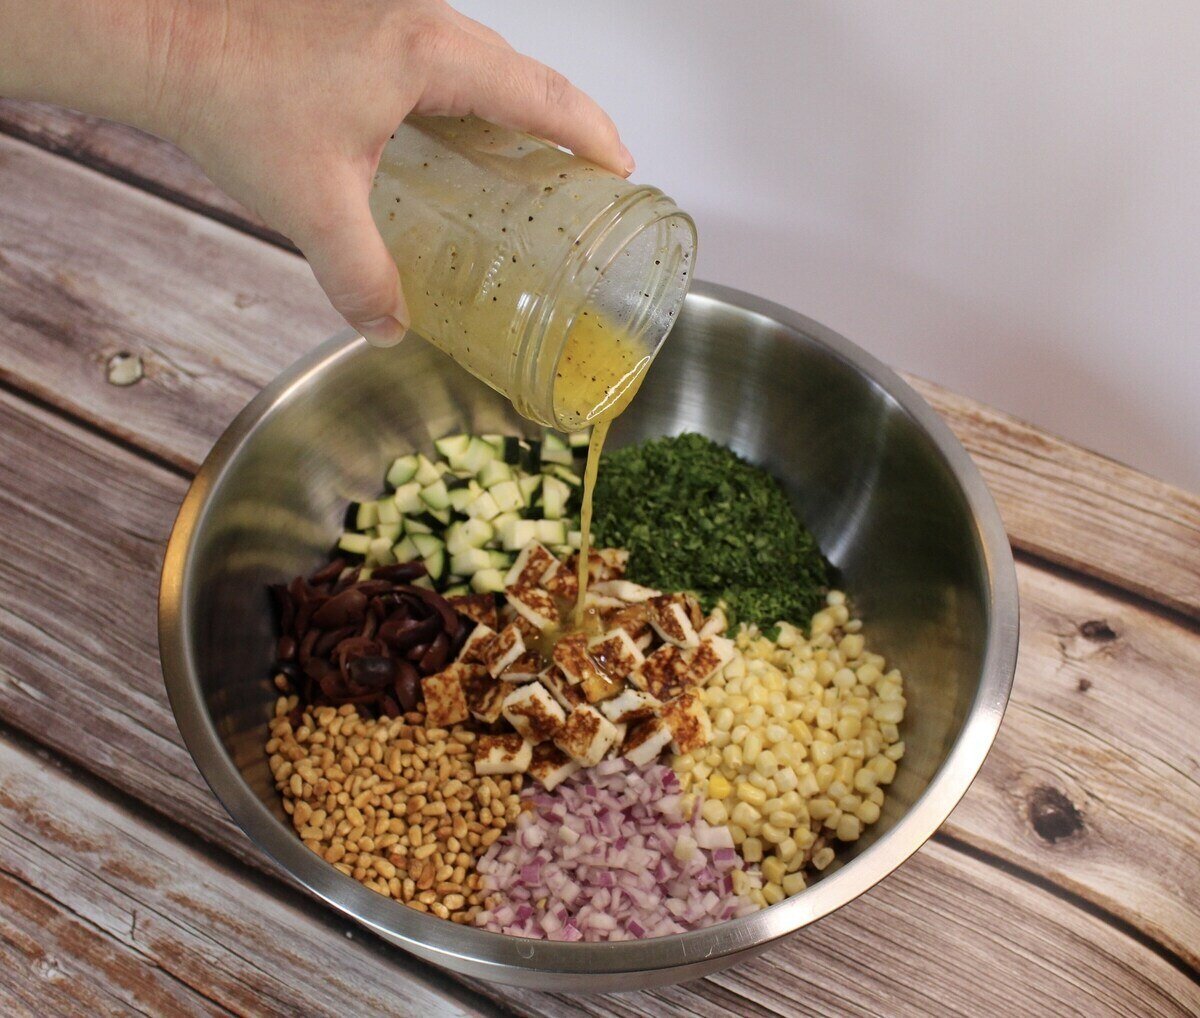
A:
(1099, 912)
(271, 883)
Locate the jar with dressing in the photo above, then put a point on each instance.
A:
(552, 280)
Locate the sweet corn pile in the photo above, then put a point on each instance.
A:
(805, 737)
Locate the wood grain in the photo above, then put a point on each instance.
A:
(133, 156)
(1079, 509)
(102, 911)
(89, 266)
(84, 679)
(955, 937)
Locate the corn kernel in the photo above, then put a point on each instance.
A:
(868, 812)
(752, 850)
(773, 869)
(745, 815)
(714, 812)
(793, 883)
(773, 893)
(756, 797)
(718, 786)
(849, 828)
(822, 858)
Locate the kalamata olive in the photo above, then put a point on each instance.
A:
(316, 668)
(373, 588)
(327, 641)
(373, 672)
(307, 645)
(407, 686)
(414, 654)
(435, 656)
(402, 634)
(328, 573)
(391, 708)
(285, 648)
(403, 572)
(449, 617)
(346, 609)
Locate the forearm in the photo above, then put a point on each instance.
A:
(111, 58)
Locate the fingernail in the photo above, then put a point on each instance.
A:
(382, 332)
(627, 161)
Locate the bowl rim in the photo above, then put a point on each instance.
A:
(483, 952)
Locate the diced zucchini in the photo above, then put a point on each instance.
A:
(423, 581)
(519, 533)
(494, 473)
(458, 590)
(507, 496)
(500, 559)
(406, 550)
(435, 495)
(459, 498)
(435, 566)
(561, 550)
(564, 474)
(391, 531)
(531, 461)
(416, 525)
(502, 521)
(355, 544)
(496, 442)
(468, 534)
(529, 486)
(408, 498)
(488, 581)
(578, 440)
(366, 516)
(427, 472)
(555, 494)
(483, 507)
(380, 552)
(386, 511)
(550, 531)
(514, 450)
(402, 470)
(427, 544)
(453, 447)
(470, 561)
(437, 518)
(555, 449)
(478, 455)
(455, 480)
(575, 539)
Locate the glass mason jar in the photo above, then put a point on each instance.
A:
(551, 279)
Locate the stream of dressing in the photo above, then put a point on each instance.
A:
(600, 370)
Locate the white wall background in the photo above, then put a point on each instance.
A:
(1003, 197)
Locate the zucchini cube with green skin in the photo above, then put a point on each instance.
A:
(402, 470)
(488, 581)
(408, 498)
(507, 496)
(355, 544)
(427, 471)
(367, 516)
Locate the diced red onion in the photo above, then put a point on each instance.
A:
(607, 856)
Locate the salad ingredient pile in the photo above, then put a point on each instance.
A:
(694, 515)
(485, 753)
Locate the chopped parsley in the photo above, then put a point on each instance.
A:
(696, 516)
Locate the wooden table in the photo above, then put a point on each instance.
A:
(1067, 881)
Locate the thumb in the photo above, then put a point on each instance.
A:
(352, 264)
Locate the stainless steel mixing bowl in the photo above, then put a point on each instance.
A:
(892, 497)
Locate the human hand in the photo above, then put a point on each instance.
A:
(287, 107)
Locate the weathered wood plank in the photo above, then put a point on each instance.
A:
(102, 910)
(956, 936)
(1076, 508)
(128, 154)
(82, 676)
(88, 267)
